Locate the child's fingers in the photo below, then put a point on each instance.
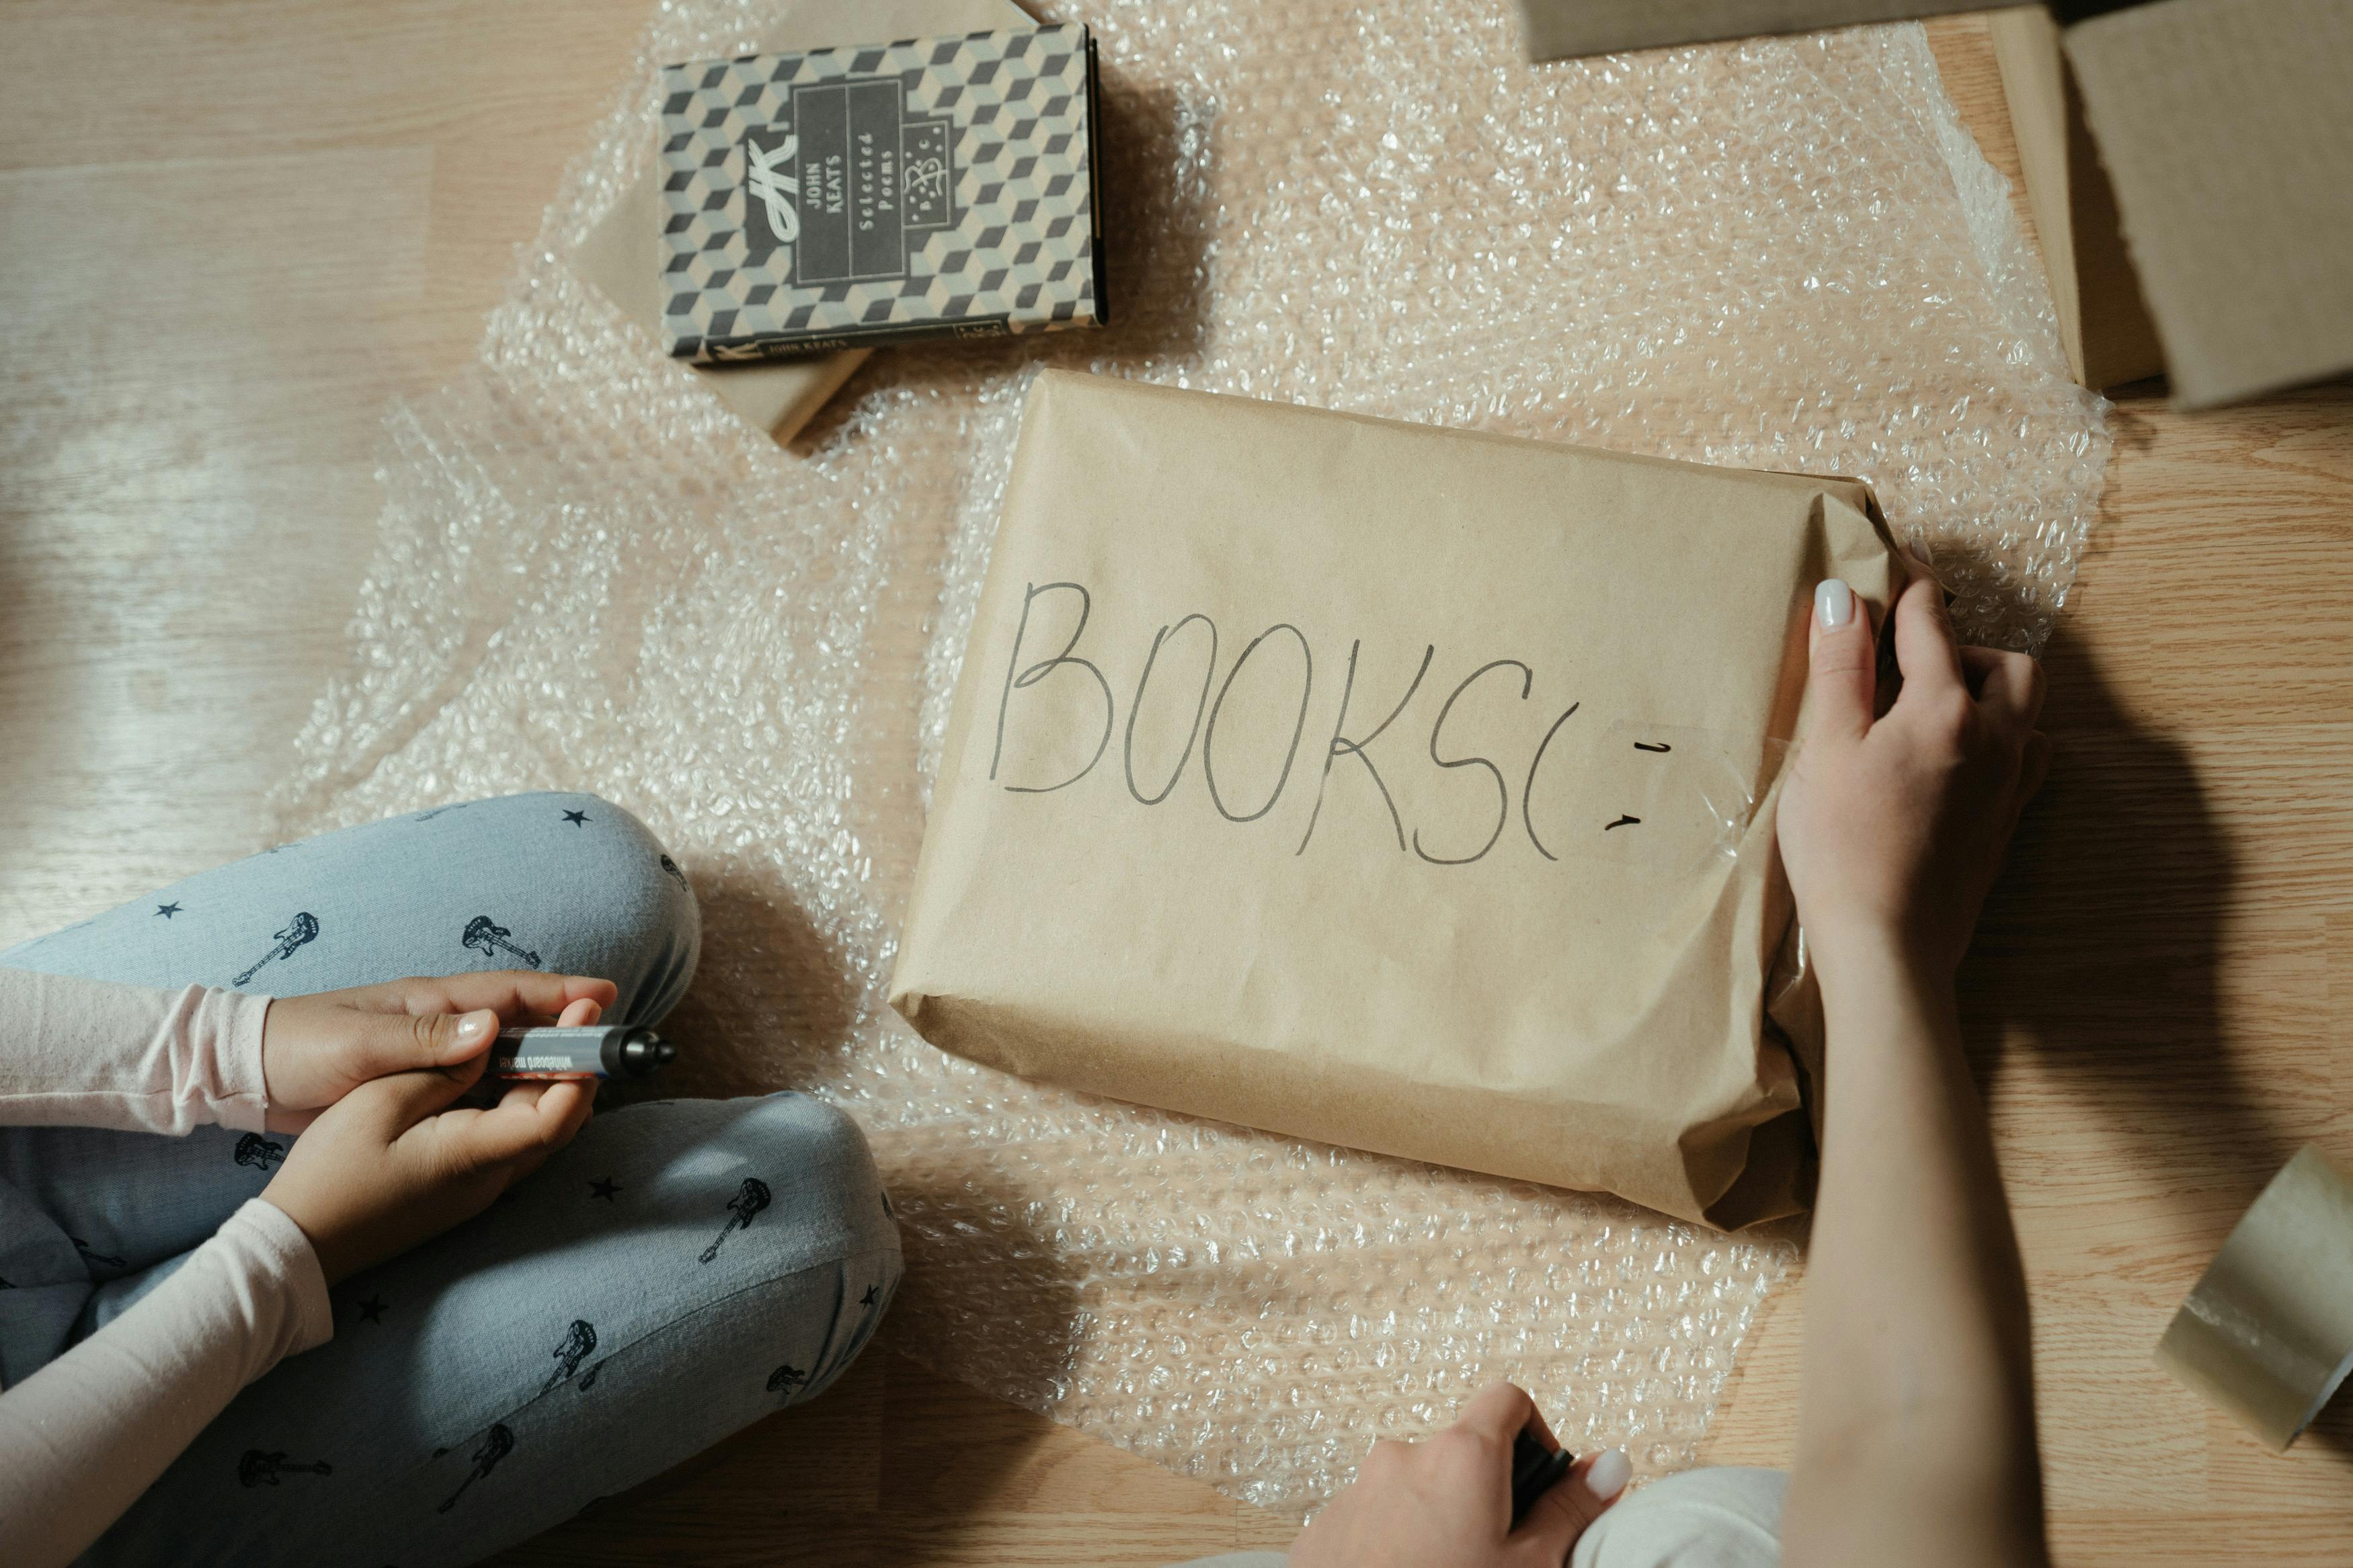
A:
(400, 1100)
(568, 1105)
(581, 1013)
(368, 1045)
(510, 992)
(561, 1111)
(529, 1092)
(516, 1127)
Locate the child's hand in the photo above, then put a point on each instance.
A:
(1447, 1502)
(1893, 829)
(390, 1164)
(316, 1049)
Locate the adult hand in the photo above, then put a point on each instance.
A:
(1447, 1502)
(391, 1163)
(1893, 828)
(316, 1049)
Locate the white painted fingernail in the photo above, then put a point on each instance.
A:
(1610, 1472)
(1834, 604)
(1920, 552)
(475, 1028)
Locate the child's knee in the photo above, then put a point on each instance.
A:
(840, 1248)
(851, 1191)
(629, 915)
(837, 1182)
(652, 917)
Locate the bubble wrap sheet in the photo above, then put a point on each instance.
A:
(1784, 253)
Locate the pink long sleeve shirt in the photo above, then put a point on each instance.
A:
(84, 1435)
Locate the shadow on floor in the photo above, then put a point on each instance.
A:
(2101, 944)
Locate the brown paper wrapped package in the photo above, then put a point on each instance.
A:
(1388, 787)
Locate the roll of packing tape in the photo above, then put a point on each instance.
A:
(2268, 1333)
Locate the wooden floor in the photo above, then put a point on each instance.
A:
(212, 275)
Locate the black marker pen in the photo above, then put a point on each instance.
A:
(1535, 1471)
(596, 1051)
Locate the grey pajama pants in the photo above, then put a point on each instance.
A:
(681, 1270)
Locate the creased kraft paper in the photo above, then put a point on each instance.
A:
(1389, 787)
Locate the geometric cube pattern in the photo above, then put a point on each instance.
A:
(925, 188)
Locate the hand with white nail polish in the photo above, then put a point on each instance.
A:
(1446, 1502)
(1893, 827)
(1916, 1415)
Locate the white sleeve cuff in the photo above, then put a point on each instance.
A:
(292, 1258)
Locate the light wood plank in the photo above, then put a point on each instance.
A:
(2160, 1001)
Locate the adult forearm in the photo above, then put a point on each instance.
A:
(1917, 1381)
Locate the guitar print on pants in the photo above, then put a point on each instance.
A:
(258, 1469)
(748, 1200)
(262, 1153)
(302, 930)
(497, 1444)
(488, 937)
(578, 1345)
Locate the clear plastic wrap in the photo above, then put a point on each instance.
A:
(1784, 253)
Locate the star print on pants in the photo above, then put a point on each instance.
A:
(603, 1188)
(167, 911)
(372, 1311)
(577, 819)
(872, 1293)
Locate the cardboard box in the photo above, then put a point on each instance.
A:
(1395, 787)
(775, 397)
(2223, 132)
(2227, 127)
(1559, 30)
(880, 192)
(2104, 322)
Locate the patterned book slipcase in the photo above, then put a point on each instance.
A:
(935, 187)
